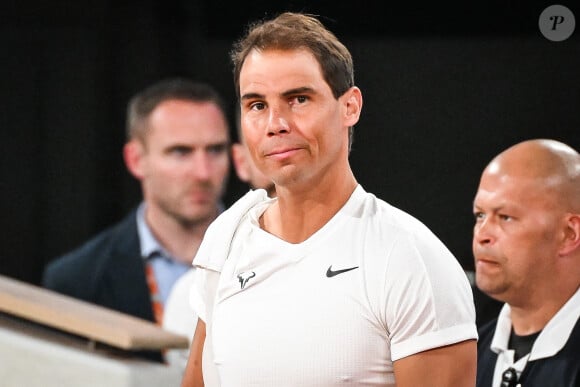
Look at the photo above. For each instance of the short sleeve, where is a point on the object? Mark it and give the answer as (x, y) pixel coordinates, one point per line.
(429, 302)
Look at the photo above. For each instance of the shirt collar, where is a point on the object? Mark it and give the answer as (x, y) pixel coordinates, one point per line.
(552, 338)
(149, 244)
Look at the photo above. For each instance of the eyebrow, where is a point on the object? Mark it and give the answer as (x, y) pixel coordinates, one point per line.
(223, 144)
(251, 96)
(218, 143)
(287, 93)
(495, 209)
(298, 90)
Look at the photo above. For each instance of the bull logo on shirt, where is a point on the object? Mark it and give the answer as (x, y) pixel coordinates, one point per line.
(245, 277)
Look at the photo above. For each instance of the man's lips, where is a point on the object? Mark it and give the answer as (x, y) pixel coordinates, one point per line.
(486, 261)
(282, 152)
(200, 196)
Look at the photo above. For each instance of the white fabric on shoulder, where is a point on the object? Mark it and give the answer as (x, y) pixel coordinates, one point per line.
(215, 246)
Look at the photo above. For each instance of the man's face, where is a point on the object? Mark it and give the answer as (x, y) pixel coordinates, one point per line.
(184, 161)
(515, 235)
(295, 130)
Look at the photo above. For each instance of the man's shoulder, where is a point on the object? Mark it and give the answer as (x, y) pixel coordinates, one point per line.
(213, 251)
(374, 208)
(487, 329)
(230, 218)
(573, 342)
(99, 246)
(387, 219)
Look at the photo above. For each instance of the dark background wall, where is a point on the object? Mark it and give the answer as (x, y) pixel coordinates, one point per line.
(445, 89)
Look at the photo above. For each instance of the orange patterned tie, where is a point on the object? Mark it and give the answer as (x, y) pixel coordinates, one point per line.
(154, 291)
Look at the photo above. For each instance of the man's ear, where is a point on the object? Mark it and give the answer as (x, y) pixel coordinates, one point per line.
(133, 152)
(240, 160)
(571, 240)
(353, 101)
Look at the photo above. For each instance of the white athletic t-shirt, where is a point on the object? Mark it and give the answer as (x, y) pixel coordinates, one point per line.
(370, 287)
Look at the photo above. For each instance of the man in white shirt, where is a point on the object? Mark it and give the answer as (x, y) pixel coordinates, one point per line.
(325, 284)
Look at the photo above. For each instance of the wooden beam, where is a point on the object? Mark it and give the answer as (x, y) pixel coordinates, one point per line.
(84, 319)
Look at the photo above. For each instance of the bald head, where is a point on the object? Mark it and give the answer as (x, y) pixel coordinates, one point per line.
(526, 239)
(547, 164)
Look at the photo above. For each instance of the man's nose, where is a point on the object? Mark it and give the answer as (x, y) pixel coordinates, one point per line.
(202, 166)
(483, 232)
(277, 123)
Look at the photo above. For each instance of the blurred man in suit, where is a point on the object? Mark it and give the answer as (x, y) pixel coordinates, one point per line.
(178, 149)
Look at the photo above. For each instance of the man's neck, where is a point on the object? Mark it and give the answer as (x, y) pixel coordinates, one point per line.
(298, 214)
(181, 241)
(534, 314)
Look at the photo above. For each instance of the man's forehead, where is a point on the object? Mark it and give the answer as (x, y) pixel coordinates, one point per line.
(279, 68)
(502, 190)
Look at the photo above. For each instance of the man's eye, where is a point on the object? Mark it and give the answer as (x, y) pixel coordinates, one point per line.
(505, 217)
(180, 151)
(257, 106)
(217, 149)
(299, 99)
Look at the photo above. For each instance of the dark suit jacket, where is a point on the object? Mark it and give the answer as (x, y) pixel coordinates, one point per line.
(106, 270)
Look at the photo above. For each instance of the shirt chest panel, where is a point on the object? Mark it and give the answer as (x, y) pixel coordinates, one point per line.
(312, 307)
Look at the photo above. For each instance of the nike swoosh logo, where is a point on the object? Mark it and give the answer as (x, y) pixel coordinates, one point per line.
(331, 273)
